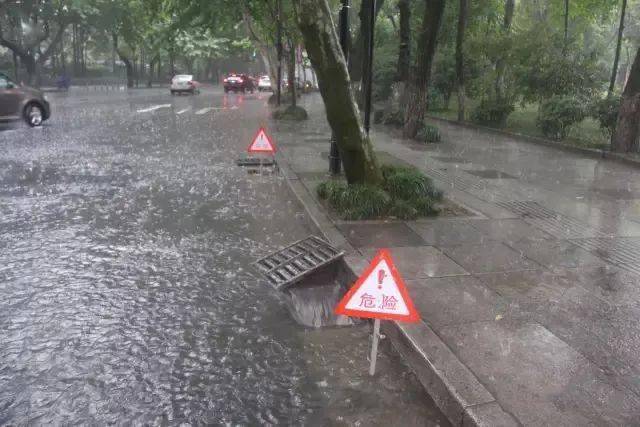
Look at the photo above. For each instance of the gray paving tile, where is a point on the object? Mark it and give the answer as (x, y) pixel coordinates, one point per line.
(538, 378)
(380, 235)
(489, 257)
(509, 230)
(419, 262)
(527, 288)
(453, 300)
(614, 285)
(606, 334)
(447, 232)
(491, 174)
(556, 253)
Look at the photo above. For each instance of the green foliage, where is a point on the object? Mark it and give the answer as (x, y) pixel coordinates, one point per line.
(408, 184)
(428, 133)
(491, 112)
(605, 111)
(290, 113)
(558, 114)
(394, 118)
(405, 193)
(355, 202)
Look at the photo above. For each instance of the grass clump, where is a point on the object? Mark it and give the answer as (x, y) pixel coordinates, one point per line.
(405, 193)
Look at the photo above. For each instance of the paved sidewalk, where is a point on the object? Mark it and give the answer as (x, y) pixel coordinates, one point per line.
(530, 304)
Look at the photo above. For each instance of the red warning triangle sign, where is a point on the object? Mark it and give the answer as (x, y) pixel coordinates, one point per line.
(262, 143)
(379, 293)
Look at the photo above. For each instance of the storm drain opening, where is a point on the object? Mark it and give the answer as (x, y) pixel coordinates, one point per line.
(310, 274)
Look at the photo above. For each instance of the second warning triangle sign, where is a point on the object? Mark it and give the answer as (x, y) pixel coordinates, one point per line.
(262, 143)
(379, 293)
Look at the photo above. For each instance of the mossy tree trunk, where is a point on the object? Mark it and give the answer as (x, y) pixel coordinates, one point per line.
(419, 83)
(291, 71)
(462, 25)
(404, 50)
(323, 47)
(627, 134)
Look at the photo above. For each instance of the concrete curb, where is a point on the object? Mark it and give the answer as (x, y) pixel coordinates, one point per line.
(590, 152)
(453, 387)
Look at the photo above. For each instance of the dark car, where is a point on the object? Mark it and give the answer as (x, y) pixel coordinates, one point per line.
(238, 83)
(22, 102)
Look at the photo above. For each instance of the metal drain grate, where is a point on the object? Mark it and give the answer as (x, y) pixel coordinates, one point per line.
(623, 252)
(289, 265)
(550, 221)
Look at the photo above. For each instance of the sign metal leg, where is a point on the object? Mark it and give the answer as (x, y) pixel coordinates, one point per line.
(374, 346)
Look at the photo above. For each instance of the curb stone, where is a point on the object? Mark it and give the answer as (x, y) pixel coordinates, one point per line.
(452, 386)
(590, 152)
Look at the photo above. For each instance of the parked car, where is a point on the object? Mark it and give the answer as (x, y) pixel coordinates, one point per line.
(22, 102)
(182, 83)
(238, 83)
(264, 83)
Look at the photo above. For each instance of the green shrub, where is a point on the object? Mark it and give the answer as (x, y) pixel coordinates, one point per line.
(558, 114)
(408, 184)
(428, 134)
(405, 193)
(492, 113)
(290, 112)
(394, 118)
(605, 111)
(378, 116)
(403, 209)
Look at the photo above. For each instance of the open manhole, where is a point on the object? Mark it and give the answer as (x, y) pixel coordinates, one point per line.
(296, 261)
(491, 174)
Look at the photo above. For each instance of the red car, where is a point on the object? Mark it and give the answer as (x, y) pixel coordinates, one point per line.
(238, 83)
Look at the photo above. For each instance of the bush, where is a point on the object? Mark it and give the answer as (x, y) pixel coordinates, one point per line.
(394, 118)
(492, 113)
(355, 201)
(378, 116)
(408, 184)
(290, 113)
(428, 134)
(405, 193)
(605, 111)
(558, 114)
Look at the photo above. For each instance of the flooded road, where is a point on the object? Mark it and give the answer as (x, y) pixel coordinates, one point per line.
(126, 292)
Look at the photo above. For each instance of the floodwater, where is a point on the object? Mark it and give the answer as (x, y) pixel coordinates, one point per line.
(126, 292)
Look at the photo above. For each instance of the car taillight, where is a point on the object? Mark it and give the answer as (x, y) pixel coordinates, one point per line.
(225, 81)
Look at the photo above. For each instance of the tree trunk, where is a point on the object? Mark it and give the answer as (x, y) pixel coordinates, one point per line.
(462, 25)
(291, 71)
(566, 22)
(127, 62)
(358, 51)
(404, 50)
(509, 9)
(614, 73)
(16, 67)
(323, 46)
(419, 83)
(625, 138)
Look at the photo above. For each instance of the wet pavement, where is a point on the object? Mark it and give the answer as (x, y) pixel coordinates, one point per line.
(530, 300)
(126, 293)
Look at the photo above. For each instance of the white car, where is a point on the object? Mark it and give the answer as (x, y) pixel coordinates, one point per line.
(183, 83)
(264, 83)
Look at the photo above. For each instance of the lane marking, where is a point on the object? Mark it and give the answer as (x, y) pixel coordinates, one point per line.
(204, 111)
(183, 111)
(153, 108)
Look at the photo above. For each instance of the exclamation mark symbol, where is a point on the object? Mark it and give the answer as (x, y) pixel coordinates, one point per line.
(381, 275)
